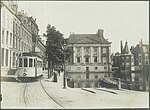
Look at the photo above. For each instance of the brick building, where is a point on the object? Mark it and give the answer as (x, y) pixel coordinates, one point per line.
(90, 59)
(123, 64)
(141, 61)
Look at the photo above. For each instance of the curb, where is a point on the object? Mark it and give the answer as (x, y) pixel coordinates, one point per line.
(88, 90)
(8, 79)
(106, 90)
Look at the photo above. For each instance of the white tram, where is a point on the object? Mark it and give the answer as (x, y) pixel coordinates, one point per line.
(29, 67)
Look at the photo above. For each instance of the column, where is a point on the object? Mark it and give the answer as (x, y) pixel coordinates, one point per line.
(99, 54)
(91, 55)
(74, 55)
(82, 55)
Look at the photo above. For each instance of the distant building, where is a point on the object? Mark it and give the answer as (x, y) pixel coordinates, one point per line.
(132, 66)
(43, 39)
(141, 60)
(123, 64)
(90, 59)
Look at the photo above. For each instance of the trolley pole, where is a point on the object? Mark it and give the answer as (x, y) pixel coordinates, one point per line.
(64, 72)
(64, 77)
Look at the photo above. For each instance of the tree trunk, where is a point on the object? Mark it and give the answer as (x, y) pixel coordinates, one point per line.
(51, 68)
(48, 68)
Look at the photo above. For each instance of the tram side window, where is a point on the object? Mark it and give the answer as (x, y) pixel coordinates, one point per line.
(34, 62)
(20, 62)
(25, 62)
(30, 62)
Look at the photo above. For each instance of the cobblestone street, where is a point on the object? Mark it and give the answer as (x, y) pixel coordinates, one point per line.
(14, 96)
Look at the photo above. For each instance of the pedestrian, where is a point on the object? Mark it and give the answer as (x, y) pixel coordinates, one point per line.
(55, 76)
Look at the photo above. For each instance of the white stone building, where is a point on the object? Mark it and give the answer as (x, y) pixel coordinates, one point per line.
(90, 60)
(15, 37)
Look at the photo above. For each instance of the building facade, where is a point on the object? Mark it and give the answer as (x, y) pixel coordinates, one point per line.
(141, 61)
(123, 64)
(90, 59)
(17, 31)
(132, 66)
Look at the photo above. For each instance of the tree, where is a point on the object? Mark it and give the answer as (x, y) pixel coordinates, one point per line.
(54, 44)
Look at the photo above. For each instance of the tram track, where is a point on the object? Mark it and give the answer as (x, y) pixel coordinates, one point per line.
(50, 96)
(34, 101)
(24, 95)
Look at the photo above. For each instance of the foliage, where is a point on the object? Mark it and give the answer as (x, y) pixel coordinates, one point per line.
(53, 44)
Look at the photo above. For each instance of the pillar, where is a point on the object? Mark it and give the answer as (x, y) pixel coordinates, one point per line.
(99, 54)
(91, 55)
(82, 55)
(74, 55)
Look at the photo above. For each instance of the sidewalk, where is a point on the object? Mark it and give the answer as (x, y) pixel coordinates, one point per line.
(74, 98)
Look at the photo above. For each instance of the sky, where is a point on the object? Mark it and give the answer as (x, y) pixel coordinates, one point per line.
(120, 20)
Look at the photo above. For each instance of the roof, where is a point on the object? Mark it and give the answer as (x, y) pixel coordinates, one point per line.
(137, 49)
(125, 50)
(87, 39)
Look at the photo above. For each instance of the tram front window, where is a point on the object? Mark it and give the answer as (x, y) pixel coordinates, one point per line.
(25, 62)
(30, 62)
(20, 62)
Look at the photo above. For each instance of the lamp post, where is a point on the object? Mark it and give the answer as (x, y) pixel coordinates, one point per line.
(64, 77)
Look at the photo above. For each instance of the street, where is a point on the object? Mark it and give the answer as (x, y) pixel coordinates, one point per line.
(47, 94)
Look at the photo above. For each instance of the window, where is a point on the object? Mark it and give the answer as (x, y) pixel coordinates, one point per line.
(25, 62)
(30, 62)
(87, 68)
(146, 55)
(87, 75)
(10, 39)
(96, 68)
(105, 67)
(87, 59)
(146, 62)
(8, 21)
(7, 38)
(2, 35)
(96, 76)
(95, 59)
(20, 62)
(104, 50)
(140, 55)
(34, 62)
(128, 64)
(13, 27)
(3, 17)
(78, 59)
(2, 57)
(14, 59)
(6, 57)
(95, 50)
(104, 60)
(16, 42)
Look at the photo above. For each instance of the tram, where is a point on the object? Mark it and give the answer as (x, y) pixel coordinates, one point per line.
(29, 67)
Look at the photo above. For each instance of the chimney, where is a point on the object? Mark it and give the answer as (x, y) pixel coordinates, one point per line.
(121, 46)
(100, 32)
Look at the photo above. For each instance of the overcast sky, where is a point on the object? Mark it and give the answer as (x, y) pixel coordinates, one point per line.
(126, 21)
